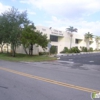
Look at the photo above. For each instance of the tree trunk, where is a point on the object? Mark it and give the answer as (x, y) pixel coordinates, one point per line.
(97, 45)
(31, 49)
(70, 42)
(13, 50)
(25, 49)
(2, 48)
(87, 44)
(7, 48)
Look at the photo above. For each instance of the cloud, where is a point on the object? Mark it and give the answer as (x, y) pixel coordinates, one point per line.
(69, 13)
(13, 0)
(3, 7)
(82, 25)
(31, 12)
(67, 8)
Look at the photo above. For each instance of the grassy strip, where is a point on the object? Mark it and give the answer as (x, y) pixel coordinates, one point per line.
(27, 58)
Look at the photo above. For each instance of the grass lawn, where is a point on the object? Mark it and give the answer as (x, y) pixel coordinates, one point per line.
(27, 58)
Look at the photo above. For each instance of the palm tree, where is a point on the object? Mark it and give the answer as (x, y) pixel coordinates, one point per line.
(97, 39)
(70, 30)
(88, 36)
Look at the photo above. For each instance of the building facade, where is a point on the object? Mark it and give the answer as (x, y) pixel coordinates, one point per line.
(61, 39)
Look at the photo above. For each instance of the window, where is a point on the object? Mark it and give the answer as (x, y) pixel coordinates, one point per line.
(76, 41)
(53, 38)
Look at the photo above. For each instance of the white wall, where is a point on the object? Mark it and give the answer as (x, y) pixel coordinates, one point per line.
(5, 48)
(64, 41)
(21, 50)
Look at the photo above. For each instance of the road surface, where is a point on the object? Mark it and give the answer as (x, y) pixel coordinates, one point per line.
(49, 80)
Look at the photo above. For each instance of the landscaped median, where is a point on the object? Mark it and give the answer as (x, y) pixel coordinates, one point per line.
(69, 54)
(26, 58)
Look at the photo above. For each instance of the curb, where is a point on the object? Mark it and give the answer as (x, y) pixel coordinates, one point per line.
(59, 55)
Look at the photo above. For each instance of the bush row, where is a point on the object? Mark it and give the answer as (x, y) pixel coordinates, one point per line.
(53, 50)
(76, 50)
(84, 49)
(72, 50)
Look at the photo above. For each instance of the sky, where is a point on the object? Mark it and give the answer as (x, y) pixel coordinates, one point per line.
(60, 14)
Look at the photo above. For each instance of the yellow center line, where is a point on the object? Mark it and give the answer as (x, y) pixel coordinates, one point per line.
(50, 81)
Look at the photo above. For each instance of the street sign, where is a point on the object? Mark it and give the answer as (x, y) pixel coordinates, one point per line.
(49, 45)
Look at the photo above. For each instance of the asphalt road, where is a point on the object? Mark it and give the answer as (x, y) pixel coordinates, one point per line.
(93, 59)
(47, 81)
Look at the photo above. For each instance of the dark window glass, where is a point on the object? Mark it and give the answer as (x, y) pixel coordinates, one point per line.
(53, 38)
(76, 41)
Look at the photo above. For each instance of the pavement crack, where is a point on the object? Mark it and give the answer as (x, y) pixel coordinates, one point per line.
(3, 87)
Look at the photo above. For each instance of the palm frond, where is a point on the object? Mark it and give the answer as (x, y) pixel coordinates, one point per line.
(71, 29)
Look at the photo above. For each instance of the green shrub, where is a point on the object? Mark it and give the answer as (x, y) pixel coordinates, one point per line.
(53, 50)
(97, 50)
(91, 49)
(65, 50)
(43, 53)
(74, 50)
(84, 49)
(62, 52)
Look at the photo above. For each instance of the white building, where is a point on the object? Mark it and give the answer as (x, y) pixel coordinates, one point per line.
(60, 39)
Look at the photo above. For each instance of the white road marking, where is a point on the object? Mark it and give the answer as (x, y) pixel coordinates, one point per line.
(91, 61)
(70, 59)
(58, 58)
(65, 61)
(25, 62)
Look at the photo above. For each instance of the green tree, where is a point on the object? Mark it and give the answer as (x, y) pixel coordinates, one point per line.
(31, 37)
(42, 40)
(70, 30)
(97, 39)
(28, 38)
(88, 36)
(12, 21)
(2, 33)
